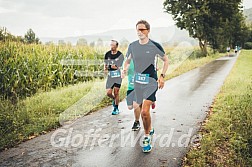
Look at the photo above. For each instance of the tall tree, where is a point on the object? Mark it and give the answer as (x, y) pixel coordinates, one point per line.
(92, 44)
(3, 33)
(7, 36)
(30, 37)
(61, 42)
(124, 43)
(82, 42)
(99, 42)
(241, 31)
(207, 20)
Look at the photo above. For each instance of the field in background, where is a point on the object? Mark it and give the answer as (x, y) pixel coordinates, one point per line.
(43, 88)
(27, 69)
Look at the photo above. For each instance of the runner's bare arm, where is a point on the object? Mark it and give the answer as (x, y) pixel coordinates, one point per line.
(164, 69)
(126, 66)
(105, 69)
(165, 65)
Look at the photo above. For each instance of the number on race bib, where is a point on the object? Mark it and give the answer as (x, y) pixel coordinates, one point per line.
(142, 78)
(115, 74)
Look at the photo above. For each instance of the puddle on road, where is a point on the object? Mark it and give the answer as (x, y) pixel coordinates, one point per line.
(206, 71)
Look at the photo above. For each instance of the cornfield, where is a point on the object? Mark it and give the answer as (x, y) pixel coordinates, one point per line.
(25, 69)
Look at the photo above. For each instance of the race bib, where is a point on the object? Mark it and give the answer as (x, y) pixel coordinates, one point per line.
(142, 78)
(115, 74)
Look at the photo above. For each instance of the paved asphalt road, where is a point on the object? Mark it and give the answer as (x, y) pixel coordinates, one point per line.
(103, 140)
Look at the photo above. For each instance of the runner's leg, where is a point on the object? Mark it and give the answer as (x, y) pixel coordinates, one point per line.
(146, 117)
(109, 93)
(137, 111)
(116, 95)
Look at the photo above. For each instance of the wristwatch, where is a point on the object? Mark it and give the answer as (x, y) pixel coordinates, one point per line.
(162, 75)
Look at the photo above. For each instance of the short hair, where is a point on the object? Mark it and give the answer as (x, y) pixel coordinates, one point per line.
(115, 42)
(147, 25)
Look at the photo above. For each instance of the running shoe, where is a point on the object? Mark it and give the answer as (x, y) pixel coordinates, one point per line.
(136, 126)
(147, 144)
(115, 111)
(152, 131)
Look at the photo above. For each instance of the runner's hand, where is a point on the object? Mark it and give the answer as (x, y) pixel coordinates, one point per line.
(106, 72)
(114, 67)
(160, 82)
(123, 74)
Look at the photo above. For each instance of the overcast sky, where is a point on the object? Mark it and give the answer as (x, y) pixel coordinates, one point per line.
(63, 18)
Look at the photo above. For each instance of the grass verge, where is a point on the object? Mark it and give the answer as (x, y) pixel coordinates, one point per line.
(227, 132)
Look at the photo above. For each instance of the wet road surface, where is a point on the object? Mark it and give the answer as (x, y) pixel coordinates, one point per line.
(100, 139)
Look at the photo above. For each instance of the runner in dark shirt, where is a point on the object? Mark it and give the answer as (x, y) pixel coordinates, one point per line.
(112, 63)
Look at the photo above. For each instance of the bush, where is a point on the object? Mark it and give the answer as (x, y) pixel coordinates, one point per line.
(248, 45)
(11, 123)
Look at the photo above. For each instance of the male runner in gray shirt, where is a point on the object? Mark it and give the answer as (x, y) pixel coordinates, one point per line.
(143, 52)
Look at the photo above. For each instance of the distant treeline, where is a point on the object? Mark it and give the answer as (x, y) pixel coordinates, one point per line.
(28, 38)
